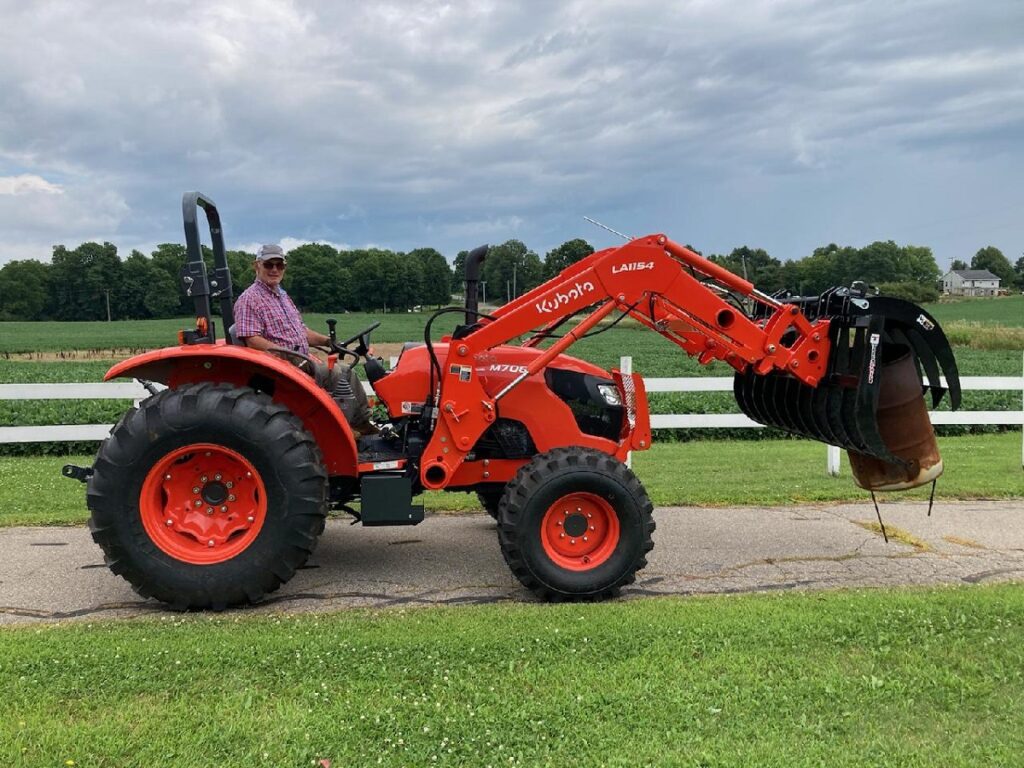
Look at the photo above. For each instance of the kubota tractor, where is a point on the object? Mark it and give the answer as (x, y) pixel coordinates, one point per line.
(213, 491)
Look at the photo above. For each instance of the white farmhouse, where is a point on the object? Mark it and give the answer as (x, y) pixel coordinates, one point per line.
(970, 282)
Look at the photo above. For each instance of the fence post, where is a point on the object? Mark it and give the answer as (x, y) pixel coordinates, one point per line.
(832, 461)
(626, 366)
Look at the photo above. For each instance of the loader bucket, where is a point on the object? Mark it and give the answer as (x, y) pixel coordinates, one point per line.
(870, 401)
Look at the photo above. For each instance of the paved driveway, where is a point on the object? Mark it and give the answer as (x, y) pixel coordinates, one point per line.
(58, 573)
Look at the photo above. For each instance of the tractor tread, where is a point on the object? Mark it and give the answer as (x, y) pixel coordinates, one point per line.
(209, 412)
(516, 514)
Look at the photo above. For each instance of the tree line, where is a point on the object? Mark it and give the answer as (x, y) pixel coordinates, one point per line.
(92, 282)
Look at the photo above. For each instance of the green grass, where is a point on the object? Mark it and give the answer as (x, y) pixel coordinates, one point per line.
(870, 678)
(1001, 310)
(719, 473)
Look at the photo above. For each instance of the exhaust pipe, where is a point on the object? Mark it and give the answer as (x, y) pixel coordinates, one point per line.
(473, 261)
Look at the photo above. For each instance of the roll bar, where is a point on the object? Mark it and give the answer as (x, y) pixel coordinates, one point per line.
(194, 280)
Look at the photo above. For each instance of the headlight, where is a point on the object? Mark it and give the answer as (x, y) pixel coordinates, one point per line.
(610, 393)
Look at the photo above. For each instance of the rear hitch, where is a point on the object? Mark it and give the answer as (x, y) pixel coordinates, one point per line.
(81, 474)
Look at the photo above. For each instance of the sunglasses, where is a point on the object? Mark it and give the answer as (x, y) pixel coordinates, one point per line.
(274, 265)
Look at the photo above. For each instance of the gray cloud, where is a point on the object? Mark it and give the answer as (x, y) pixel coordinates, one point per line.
(784, 125)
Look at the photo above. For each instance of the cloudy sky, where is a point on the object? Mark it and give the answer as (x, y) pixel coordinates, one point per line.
(784, 125)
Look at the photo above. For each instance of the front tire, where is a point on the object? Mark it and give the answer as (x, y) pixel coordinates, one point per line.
(575, 524)
(208, 496)
(490, 499)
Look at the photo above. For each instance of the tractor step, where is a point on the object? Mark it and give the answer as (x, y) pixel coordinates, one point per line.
(81, 474)
(386, 499)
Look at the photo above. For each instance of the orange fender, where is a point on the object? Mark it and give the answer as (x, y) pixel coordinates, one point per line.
(297, 391)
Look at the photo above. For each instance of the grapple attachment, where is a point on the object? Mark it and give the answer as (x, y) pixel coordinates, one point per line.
(871, 401)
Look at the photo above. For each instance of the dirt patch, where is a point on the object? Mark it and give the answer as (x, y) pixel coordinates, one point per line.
(387, 350)
(87, 355)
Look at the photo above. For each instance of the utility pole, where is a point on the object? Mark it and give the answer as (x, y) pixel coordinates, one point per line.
(483, 285)
(107, 291)
(514, 280)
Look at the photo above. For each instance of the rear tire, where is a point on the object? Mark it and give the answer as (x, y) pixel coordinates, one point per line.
(575, 524)
(208, 496)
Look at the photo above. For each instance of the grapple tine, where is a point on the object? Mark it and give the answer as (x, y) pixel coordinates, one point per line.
(784, 401)
(866, 399)
(934, 345)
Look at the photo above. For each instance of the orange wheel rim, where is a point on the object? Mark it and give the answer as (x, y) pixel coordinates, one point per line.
(580, 531)
(203, 504)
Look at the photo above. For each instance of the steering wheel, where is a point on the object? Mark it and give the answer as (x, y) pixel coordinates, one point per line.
(300, 360)
(363, 337)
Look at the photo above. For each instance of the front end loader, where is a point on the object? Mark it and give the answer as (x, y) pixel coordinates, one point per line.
(213, 491)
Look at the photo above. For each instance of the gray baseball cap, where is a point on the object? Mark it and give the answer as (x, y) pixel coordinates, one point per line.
(270, 252)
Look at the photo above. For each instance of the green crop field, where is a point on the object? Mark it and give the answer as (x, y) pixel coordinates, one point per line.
(29, 337)
(1000, 310)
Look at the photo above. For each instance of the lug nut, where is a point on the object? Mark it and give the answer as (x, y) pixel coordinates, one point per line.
(585, 538)
(561, 535)
(558, 522)
(199, 503)
(196, 489)
(251, 519)
(229, 484)
(167, 477)
(223, 509)
(209, 510)
(572, 541)
(248, 474)
(231, 497)
(217, 476)
(593, 528)
(202, 479)
(209, 543)
(169, 521)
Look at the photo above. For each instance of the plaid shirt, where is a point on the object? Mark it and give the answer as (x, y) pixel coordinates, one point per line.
(262, 311)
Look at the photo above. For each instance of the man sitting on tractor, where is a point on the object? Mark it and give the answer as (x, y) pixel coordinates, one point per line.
(266, 318)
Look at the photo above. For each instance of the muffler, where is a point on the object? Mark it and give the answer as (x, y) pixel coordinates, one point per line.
(871, 401)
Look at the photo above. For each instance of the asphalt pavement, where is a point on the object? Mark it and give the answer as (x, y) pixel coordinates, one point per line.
(57, 574)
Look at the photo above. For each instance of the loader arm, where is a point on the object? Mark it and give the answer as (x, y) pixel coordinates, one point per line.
(656, 281)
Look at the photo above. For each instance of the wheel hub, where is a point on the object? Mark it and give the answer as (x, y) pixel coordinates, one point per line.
(214, 492)
(580, 531)
(203, 503)
(575, 524)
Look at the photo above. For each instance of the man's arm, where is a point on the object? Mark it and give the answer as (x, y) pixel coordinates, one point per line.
(258, 342)
(316, 339)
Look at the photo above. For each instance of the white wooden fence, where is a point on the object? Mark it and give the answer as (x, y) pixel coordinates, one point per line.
(135, 391)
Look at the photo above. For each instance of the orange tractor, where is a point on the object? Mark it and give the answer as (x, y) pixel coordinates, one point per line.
(213, 491)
